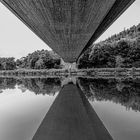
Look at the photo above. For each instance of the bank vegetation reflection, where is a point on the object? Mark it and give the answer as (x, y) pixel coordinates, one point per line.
(124, 91)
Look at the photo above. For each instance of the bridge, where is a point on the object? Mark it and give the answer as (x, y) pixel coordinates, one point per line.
(68, 26)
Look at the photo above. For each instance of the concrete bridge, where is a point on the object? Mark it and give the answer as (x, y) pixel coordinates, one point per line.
(68, 26)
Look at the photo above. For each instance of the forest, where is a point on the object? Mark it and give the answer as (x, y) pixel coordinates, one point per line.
(119, 50)
(37, 60)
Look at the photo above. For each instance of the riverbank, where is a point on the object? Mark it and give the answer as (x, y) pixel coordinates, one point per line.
(93, 73)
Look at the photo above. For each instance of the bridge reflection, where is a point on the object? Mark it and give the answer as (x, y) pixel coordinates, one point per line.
(71, 117)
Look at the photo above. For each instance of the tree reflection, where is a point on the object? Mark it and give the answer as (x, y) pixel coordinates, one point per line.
(41, 85)
(37, 85)
(124, 92)
(7, 83)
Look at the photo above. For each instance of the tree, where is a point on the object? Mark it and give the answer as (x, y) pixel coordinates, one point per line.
(7, 63)
(119, 61)
(40, 60)
(119, 50)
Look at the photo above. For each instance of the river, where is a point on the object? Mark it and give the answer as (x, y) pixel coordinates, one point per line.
(44, 108)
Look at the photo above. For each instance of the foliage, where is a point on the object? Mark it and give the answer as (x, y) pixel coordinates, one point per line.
(122, 50)
(131, 33)
(7, 63)
(39, 60)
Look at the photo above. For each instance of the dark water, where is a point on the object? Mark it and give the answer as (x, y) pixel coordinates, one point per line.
(40, 109)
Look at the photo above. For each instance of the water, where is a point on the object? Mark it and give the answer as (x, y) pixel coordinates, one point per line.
(40, 108)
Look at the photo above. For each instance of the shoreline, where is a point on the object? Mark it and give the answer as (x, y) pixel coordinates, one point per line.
(91, 73)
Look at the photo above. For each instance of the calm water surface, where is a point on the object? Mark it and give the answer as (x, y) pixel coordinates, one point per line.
(28, 107)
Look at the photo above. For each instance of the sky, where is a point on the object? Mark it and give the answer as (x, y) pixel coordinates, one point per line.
(17, 40)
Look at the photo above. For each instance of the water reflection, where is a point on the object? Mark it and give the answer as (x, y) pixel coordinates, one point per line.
(69, 115)
(21, 114)
(41, 85)
(36, 85)
(125, 92)
(7, 83)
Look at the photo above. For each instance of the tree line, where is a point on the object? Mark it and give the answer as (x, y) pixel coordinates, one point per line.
(132, 32)
(42, 59)
(7, 63)
(121, 50)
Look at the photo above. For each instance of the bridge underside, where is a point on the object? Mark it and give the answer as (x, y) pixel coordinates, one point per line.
(68, 26)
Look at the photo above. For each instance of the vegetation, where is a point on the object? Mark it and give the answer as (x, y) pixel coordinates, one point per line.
(121, 50)
(131, 33)
(7, 63)
(37, 60)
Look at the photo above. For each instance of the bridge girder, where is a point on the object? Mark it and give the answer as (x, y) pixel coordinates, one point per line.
(68, 26)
